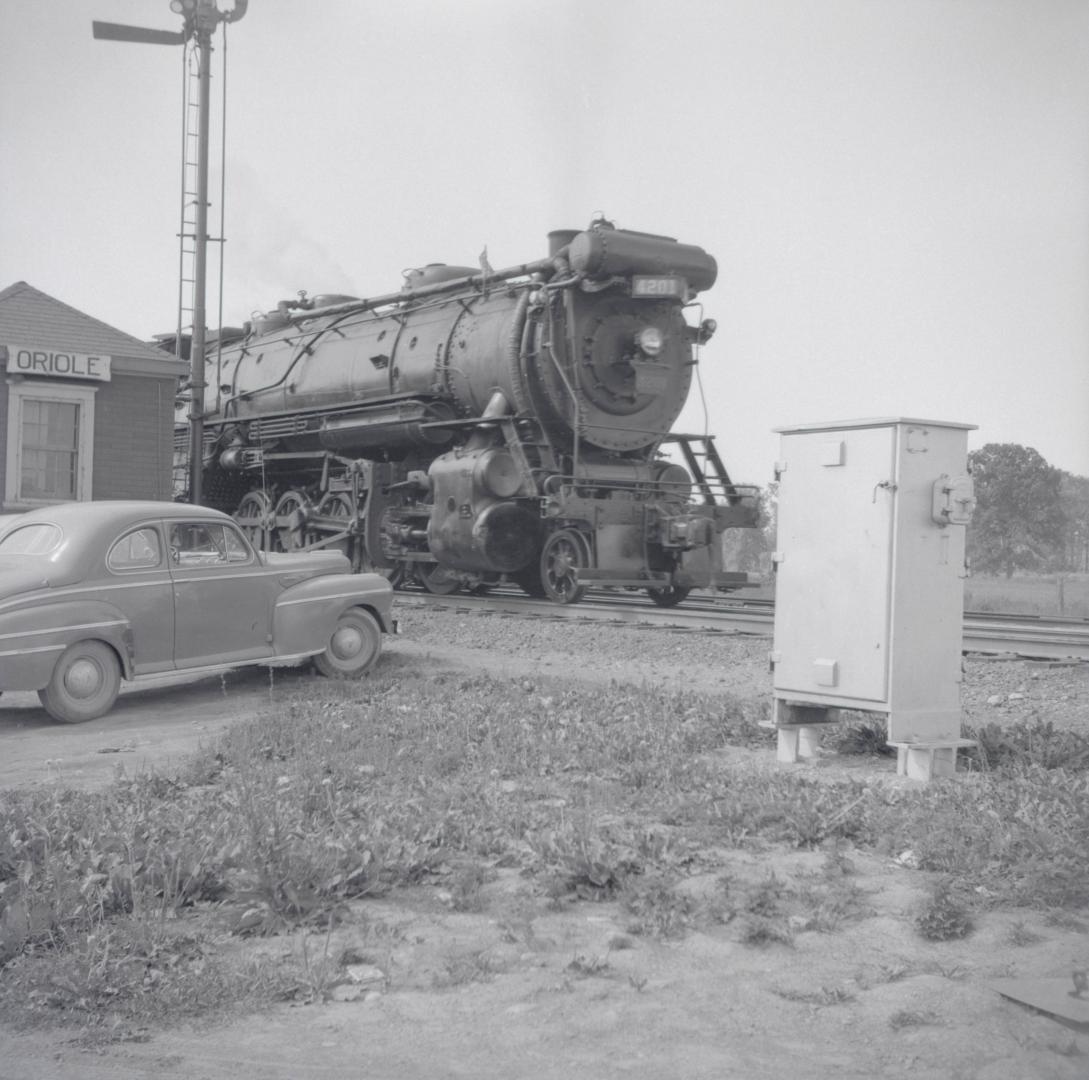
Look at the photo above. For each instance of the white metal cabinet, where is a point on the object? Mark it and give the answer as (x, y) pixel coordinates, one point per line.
(870, 568)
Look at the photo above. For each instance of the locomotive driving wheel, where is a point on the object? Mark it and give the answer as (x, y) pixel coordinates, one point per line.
(564, 553)
(253, 516)
(290, 535)
(670, 596)
(339, 506)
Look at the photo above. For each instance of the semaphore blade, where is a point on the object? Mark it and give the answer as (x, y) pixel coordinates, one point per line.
(107, 31)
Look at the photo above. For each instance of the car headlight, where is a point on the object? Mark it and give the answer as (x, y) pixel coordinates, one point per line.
(650, 340)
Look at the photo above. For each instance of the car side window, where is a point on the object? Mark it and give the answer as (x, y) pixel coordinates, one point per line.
(139, 549)
(237, 550)
(206, 544)
(31, 540)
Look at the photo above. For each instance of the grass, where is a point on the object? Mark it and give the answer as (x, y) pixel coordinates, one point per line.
(1029, 594)
(1064, 594)
(116, 906)
(1034, 743)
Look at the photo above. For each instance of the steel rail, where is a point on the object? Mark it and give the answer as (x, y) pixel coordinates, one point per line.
(1030, 637)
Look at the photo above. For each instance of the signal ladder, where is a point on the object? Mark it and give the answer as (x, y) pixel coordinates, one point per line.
(187, 231)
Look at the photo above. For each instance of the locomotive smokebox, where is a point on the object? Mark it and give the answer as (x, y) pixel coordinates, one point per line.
(601, 253)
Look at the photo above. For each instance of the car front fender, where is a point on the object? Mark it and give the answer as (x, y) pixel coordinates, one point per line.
(32, 638)
(306, 614)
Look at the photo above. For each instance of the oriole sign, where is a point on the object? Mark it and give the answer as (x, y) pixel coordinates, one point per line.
(24, 360)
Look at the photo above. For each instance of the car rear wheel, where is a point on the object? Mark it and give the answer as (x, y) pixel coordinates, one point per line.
(354, 647)
(85, 683)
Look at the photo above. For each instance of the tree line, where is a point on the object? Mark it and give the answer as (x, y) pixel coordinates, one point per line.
(1029, 516)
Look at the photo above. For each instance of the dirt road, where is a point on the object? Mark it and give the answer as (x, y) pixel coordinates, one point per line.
(147, 726)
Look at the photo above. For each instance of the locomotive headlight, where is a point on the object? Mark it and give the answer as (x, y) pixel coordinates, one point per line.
(650, 340)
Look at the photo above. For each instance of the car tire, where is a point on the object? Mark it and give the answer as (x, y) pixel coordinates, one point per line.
(85, 683)
(354, 647)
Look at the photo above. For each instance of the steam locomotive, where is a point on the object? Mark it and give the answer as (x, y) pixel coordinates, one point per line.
(480, 426)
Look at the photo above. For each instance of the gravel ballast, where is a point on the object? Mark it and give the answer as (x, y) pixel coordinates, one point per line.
(995, 690)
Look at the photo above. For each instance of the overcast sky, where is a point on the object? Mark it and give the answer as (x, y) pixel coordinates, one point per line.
(896, 191)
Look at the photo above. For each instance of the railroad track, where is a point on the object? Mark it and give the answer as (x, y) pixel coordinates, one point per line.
(1031, 636)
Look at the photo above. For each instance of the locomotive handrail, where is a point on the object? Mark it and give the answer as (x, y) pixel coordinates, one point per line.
(735, 492)
(577, 424)
(473, 281)
(302, 352)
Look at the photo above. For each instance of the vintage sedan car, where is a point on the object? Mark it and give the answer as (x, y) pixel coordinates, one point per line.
(95, 592)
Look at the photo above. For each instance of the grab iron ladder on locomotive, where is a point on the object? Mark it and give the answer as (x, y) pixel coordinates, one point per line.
(707, 467)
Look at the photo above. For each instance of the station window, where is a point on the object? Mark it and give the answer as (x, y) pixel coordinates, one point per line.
(50, 439)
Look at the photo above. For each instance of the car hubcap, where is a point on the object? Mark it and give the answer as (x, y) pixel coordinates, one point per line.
(83, 679)
(347, 643)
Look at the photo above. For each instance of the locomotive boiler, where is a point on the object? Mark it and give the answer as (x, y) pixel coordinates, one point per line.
(479, 426)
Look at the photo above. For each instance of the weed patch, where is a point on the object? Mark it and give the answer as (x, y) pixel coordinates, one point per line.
(463, 968)
(909, 1018)
(822, 997)
(945, 917)
(1027, 745)
(115, 906)
(860, 734)
(656, 908)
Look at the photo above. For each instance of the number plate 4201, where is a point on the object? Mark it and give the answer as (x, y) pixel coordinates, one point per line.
(658, 288)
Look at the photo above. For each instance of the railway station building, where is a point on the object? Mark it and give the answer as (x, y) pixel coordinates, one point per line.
(86, 410)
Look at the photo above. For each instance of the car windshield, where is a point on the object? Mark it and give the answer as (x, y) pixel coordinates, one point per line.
(36, 539)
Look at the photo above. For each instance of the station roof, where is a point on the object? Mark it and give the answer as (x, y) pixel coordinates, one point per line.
(32, 318)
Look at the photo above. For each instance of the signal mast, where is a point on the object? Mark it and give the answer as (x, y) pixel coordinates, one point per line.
(201, 17)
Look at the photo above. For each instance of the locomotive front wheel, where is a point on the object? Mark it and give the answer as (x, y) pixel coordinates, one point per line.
(564, 553)
(85, 683)
(354, 647)
(670, 596)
